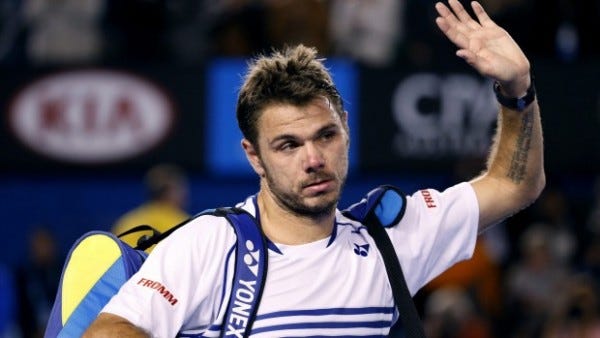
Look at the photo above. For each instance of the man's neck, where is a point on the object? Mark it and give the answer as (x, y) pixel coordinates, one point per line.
(285, 227)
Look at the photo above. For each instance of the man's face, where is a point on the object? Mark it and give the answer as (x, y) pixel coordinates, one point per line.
(303, 157)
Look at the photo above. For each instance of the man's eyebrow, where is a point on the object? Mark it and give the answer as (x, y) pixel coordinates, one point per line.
(320, 131)
(329, 127)
(283, 137)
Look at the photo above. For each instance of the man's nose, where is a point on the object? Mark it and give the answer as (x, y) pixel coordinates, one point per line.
(314, 159)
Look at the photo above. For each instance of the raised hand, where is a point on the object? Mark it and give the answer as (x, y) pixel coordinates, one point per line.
(485, 46)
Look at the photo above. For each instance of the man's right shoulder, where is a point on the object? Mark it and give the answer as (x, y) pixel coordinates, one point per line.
(207, 223)
(202, 235)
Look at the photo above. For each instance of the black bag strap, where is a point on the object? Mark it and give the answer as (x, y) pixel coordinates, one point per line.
(137, 228)
(146, 242)
(388, 203)
(411, 322)
(143, 239)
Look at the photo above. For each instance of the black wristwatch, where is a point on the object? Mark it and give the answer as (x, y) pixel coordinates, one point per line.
(515, 103)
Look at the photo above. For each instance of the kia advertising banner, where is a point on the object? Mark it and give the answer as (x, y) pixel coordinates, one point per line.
(88, 119)
(91, 117)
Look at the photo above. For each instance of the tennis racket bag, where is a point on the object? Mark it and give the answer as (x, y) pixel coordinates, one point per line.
(99, 263)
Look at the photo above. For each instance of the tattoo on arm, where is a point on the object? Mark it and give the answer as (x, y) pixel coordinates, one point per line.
(518, 163)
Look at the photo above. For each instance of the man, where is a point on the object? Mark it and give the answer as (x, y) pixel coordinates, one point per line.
(166, 185)
(296, 139)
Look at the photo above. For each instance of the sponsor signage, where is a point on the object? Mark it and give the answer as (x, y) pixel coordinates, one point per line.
(91, 116)
(458, 124)
(424, 120)
(401, 120)
(429, 121)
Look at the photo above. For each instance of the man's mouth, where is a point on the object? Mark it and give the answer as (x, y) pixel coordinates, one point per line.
(319, 186)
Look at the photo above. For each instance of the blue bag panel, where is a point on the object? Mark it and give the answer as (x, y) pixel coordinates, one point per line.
(386, 202)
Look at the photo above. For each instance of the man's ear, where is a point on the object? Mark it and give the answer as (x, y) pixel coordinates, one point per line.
(253, 157)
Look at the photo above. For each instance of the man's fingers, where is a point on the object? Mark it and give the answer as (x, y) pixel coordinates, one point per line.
(458, 38)
(448, 23)
(466, 55)
(442, 9)
(446, 14)
(462, 14)
(482, 16)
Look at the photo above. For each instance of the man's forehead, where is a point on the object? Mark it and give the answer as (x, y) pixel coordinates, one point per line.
(318, 107)
(286, 117)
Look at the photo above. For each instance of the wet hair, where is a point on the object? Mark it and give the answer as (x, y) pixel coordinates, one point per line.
(293, 75)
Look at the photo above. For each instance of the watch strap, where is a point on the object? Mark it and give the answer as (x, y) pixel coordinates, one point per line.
(515, 103)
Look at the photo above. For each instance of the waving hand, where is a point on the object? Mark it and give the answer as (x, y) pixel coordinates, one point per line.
(485, 46)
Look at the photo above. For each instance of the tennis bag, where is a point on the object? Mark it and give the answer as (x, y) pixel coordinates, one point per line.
(99, 263)
(96, 267)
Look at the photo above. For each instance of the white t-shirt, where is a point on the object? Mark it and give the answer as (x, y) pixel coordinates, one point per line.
(336, 286)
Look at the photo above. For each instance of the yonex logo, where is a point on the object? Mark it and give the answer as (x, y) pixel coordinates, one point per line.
(361, 250)
(244, 292)
(251, 258)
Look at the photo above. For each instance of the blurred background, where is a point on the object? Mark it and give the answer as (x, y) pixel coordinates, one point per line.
(98, 94)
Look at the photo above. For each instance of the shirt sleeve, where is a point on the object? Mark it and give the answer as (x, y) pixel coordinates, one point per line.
(438, 230)
(175, 283)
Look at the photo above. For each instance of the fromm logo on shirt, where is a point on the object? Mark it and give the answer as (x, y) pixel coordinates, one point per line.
(429, 202)
(160, 288)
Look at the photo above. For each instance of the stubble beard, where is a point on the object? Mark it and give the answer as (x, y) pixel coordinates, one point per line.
(293, 202)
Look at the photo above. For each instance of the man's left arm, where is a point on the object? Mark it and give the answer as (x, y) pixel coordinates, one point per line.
(515, 172)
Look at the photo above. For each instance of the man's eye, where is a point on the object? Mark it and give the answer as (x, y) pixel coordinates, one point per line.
(328, 135)
(288, 146)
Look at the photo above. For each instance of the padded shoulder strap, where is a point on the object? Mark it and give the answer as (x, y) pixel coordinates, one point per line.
(386, 202)
(250, 273)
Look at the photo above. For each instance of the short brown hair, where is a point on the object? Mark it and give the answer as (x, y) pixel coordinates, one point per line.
(292, 76)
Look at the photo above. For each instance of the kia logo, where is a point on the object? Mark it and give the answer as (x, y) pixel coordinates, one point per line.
(91, 116)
